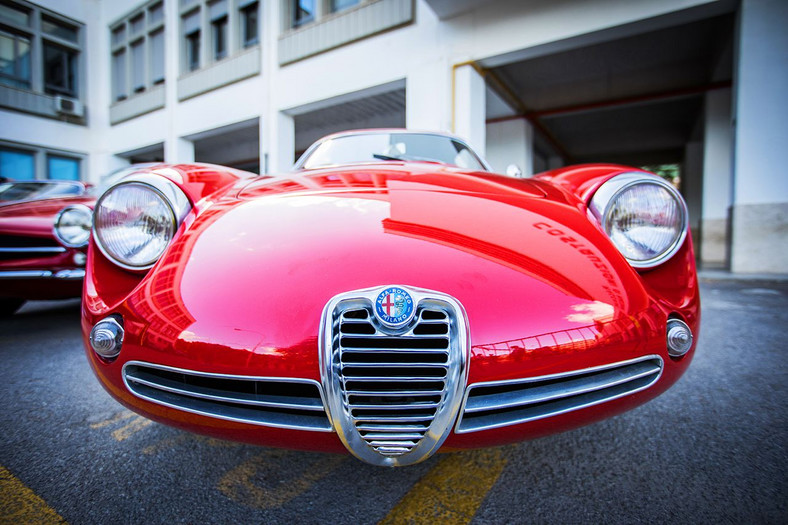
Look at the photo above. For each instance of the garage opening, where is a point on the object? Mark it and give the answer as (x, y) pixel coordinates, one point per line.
(381, 107)
(236, 145)
(645, 100)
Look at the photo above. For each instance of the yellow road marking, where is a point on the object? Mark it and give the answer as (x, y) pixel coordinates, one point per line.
(118, 417)
(271, 479)
(19, 504)
(452, 491)
(168, 443)
(136, 424)
(165, 444)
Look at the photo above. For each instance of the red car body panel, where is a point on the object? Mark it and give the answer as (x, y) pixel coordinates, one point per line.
(242, 287)
(31, 223)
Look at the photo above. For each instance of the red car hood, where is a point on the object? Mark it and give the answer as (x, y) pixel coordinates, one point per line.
(256, 268)
(36, 217)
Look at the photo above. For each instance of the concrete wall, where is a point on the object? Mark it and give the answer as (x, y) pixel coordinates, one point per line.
(717, 179)
(760, 202)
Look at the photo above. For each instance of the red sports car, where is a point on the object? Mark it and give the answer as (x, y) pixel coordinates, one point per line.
(44, 229)
(390, 297)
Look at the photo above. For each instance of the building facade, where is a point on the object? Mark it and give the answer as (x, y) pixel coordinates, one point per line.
(87, 86)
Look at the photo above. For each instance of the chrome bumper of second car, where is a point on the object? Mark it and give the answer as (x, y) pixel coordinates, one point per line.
(76, 274)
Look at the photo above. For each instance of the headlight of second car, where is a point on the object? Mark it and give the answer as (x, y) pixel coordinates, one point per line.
(72, 225)
(135, 220)
(644, 216)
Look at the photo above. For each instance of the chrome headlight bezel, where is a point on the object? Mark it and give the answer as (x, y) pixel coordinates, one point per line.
(604, 200)
(86, 212)
(162, 188)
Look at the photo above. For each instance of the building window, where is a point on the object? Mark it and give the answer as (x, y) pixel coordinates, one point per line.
(339, 5)
(138, 81)
(218, 14)
(249, 36)
(17, 15)
(14, 60)
(16, 164)
(191, 33)
(138, 51)
(19, 163)
(157, 56)
(213, 30)
(59, 29)
(33, 39)
(62, 168)
(60, 70)
(303, 12)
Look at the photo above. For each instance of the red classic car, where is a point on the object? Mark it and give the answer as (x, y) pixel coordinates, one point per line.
(390, 297)
(37, 259)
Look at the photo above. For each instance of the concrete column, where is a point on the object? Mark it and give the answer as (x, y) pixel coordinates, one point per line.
(760, 201)
(469, 107)
(717, 179)
(511, 142)
(278, 142)
(178, 150)
(426, 107)
(691, 182)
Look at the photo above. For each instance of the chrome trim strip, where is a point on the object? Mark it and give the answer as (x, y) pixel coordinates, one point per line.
(524, 401)
(65, 275)
(307, 408)
(70, 275)
(33, 249)
(25, 274)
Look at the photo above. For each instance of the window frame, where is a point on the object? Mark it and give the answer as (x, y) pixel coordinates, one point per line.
(71, 70)
(137, 30)
(222, 31)
(17, 79)
(322, 10)
(41, 157)
(244, 11)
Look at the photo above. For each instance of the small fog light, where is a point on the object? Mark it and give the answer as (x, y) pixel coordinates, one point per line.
(106, 338)
(679, 338)
(80, 259)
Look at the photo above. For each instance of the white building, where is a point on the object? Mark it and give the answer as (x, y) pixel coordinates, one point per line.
(89, 85)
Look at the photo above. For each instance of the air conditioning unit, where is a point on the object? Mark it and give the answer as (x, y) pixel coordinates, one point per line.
(69, 106)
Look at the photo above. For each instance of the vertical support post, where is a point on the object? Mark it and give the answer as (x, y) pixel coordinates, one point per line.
(469, 107)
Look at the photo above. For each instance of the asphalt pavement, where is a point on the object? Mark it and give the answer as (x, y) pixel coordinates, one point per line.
(713, 449)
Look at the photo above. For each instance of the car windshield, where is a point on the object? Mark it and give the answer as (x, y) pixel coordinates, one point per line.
(390, 146)
(35, 190)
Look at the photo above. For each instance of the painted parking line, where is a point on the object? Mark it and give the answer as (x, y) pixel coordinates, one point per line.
(273, 478)
(120, 416)
(133, 424)
(19, 504)
(136, 424)
(452, 491)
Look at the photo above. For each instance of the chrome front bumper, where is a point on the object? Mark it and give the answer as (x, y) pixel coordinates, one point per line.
(65, 275)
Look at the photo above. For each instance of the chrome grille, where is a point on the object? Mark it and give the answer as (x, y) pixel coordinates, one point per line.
(393, 395)
(393, 382)
(21, 247)
(504, 403)
(274, 402)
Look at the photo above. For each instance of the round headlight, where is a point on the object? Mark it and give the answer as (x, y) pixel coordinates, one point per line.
(135, 221)
(643, 215)
(72, 225)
